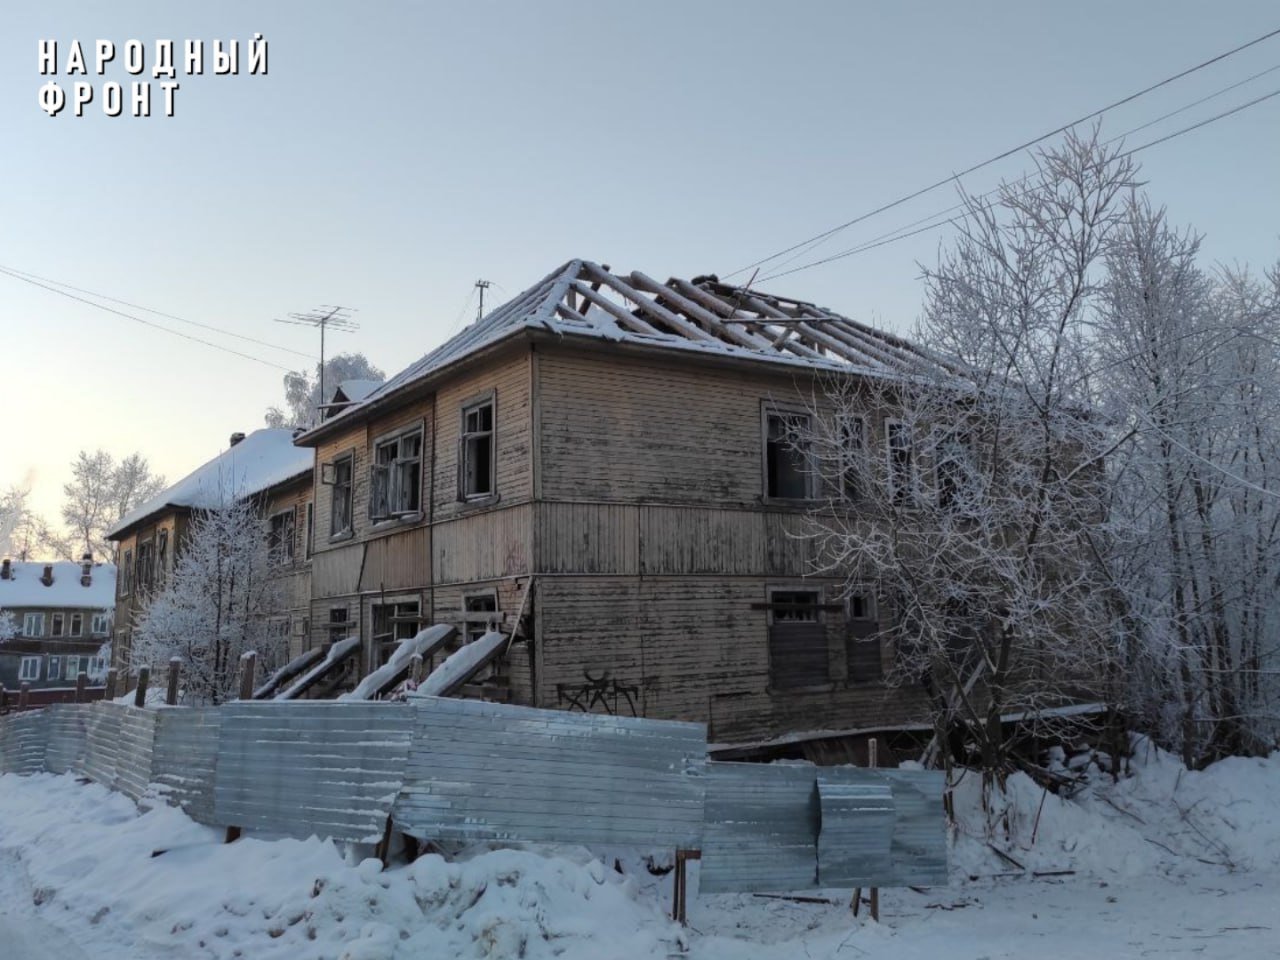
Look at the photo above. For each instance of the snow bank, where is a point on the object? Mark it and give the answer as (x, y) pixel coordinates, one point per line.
(87, 854)
(337, 653)
(424, 644)
(461, 664)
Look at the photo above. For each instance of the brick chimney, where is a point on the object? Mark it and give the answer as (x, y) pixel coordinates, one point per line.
(86, 570)
(236, 438)
(6, 570)
(47, 578)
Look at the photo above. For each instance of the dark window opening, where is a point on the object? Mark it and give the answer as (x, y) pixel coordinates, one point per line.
(393, 622)
(852, 437)
(162, 556)
(338, 624)
(481, 615)
(954, 472)
(786, 456)
(311, 529)
(797, 640)
(280, 538)
(901, 462)
(340, 504)
(862, 639)
(476, 467)
(396, 477)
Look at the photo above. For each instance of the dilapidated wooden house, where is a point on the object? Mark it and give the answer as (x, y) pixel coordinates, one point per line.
(601, 465)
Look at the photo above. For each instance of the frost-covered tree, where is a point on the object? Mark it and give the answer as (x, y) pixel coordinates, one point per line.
(302, 390)
(215, 606)
(8, 626)
(100, 492)
(971, 502)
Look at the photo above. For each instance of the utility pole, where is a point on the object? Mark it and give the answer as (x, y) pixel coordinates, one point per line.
(482, 286)
(325, 316)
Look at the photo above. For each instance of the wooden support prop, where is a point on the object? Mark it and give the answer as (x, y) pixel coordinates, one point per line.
(681, 891)
(82, 684)
(140, 694)
(24, 695)
(383, 850)
(113, 677)
(171, 693)
(415, 669)
(247, 664)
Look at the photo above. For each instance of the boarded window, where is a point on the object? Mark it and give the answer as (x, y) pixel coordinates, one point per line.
(862, 639)
(340, 504)
(396, 477)
(481, 610)
(787, 473)
(476, 462)
(797, 640)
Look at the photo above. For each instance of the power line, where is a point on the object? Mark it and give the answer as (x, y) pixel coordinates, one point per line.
(146, 323)
(894, 236)
(158, 313)
(1007, 153)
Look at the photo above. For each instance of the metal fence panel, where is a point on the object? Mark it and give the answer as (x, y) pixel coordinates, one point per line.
(67, 729)
(137, 747)
(25, 736)
(761, 828)
(920, 831)
(102, 742)
(858, 814)
(488, 771)
(186, 751)
(303, 767)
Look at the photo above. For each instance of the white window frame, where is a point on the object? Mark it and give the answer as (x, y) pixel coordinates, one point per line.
(30, 618)
(768, 412)
(76, 627)
(388, 477)
(907, 495)
(29, 669)
(71, 669)
(852, 455)
(57, 624)
(465, 440)
(100, 626)
(349, 458)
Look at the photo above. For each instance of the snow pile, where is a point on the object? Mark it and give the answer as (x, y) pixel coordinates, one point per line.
(423, 644)
(461, 665)
(338, 652)
(1162, 819)
(87, 859)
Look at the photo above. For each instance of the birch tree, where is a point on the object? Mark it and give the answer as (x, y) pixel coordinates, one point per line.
(216, 605)
(972, 502)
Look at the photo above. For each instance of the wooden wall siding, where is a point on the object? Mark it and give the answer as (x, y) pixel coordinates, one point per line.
(399, 561)
(588, 538)
(483, 545)
(509, 376)
(693, 540)
(616, 428)
(692, 648)
(336, 572)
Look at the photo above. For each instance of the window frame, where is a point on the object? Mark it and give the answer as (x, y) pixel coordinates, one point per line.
(394, 485)
(53, 669)
(106, 620)
(126, 574)
(908, 495)
(33, 616)
(281, 550)
(162, 555)
(75, 624)
(487, 399)
(467, 597)
(71, 666)
(872, 616)
(853, 462)
(770, 410)
(23, 672)
(819, 622)
(955, 492)
(309, 548)
(335, 532)
(57, 624)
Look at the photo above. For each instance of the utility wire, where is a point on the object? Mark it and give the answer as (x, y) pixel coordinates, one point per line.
(896, 235)
(24, 274)
(148, 323)
(1007, 153)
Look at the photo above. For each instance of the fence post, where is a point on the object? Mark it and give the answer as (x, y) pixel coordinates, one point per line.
(171, 694)
(113, 677)
(24, 694)
(82, 684)
(247, 664)
(4, 698)
(873, 762)
(140, 695)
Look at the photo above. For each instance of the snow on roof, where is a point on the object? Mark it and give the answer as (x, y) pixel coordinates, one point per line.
(24, 588)
(259, 461)
(356, 390)
(699, 316)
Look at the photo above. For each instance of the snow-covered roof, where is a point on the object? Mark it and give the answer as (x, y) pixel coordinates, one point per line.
(25, 588)
(701, 316)
(355, 390)
(261, 460)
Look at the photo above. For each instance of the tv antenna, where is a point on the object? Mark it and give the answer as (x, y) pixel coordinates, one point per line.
(326, 317)
(482, 286)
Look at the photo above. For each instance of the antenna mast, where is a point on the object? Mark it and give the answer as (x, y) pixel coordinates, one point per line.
(325, 316)
(482, 286)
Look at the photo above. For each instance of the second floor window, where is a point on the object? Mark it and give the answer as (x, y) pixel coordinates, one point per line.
(787, 472)
(58, 626)
(33, 625)
(395, 483)
(162, 555)
(902, 467)
(126, 574)
(77, 625)
(280, 538)
(101, 625)
(340, 501)
(146, 565)
(476, 461)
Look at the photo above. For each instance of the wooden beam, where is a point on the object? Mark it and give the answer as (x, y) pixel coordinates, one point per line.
(674, 321)
(618, 312)
(739, 337)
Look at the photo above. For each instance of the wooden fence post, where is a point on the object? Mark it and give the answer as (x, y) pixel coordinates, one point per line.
(24, 694)
(113, 677)
(140, 694)
(4, 698)
(872, 761)
(680, 895)
(247, 664)
(171, 694)
(82, 684)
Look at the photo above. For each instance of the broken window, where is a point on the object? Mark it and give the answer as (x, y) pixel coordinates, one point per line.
(862, 639)
(396, 477)
(954, 471)
(77, 625)
(787, 472)
(481, 615)
(280, 538)
(311, 529)
(476, 461)
(340, 499)
(338, 624)
(797, 640)
(57, 626)
(392, 623)
(852, 438)
(901, 462)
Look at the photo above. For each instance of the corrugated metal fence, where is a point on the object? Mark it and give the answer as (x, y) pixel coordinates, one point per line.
(462, 770)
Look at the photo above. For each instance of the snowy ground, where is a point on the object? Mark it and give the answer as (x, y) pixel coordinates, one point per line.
(1168, 864)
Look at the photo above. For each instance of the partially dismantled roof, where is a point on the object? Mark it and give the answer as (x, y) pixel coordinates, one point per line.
(702, 315)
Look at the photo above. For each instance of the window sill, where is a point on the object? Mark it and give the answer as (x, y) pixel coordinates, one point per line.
(478, 503)
(343, 537)
(386, 523)
(791, 503)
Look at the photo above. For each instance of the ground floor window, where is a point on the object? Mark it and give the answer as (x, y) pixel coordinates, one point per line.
(862, 638)
(797, 639)
(480, 614)
(392, 623)
(29, 669)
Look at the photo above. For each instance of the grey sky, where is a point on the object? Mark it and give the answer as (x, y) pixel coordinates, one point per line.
(397, 151)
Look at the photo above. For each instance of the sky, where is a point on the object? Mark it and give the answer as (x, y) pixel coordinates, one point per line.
(397, 152)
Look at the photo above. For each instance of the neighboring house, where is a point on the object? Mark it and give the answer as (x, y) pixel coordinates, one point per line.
(62, 615)
(348, 392)
(606, 454)
(266, 465)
